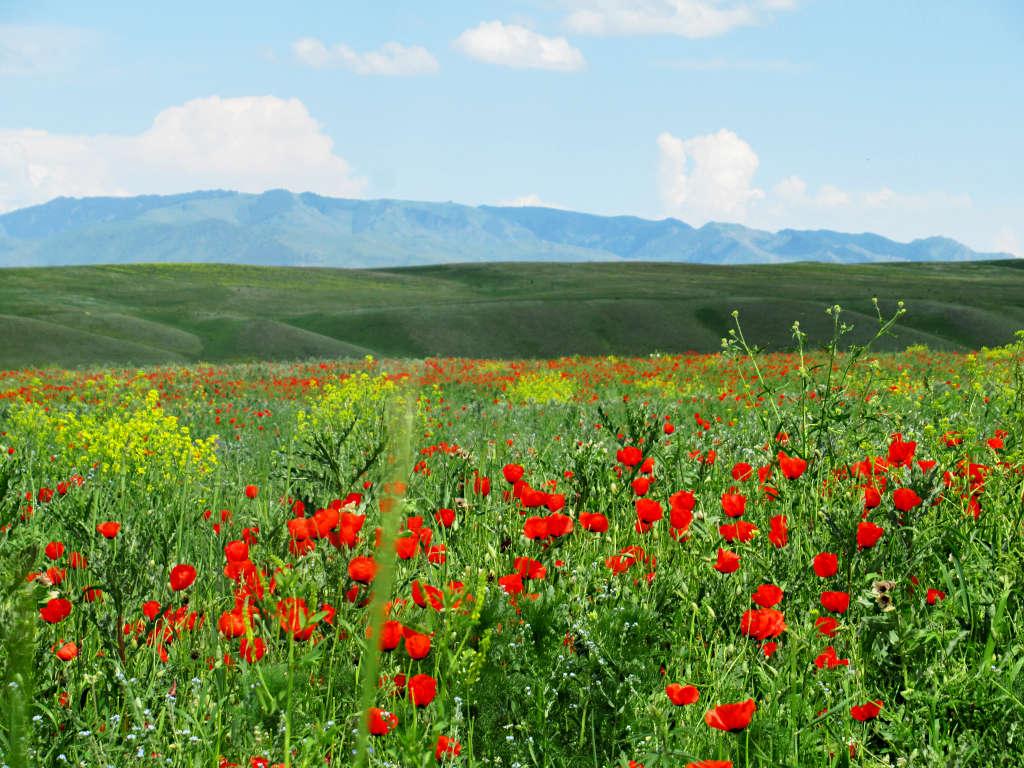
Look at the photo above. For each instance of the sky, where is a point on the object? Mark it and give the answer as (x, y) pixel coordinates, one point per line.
(901, 118)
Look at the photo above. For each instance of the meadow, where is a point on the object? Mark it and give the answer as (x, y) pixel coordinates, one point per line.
(730, 558)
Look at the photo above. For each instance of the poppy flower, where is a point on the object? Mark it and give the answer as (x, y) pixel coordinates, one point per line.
(446, 747)
(512, 584)
(54, 550)
(55, 610)
(445, 517)
(872, 498)
(837, 602)
(742, 532)
(742, 471)
(826, 625)
(559, 524)
(711, 764)
(481, 486)
(827, 659)
(77, 560)
(641, 485)
(407, 546)
(727, 561)
(182, 577)
(792, 467)
(681, 695)
(762, 623)
(108, 530)
(236, 551)
(733, 504)
(779, 534)
(767, 596)
(151, 610)
(901, 453)
(648, 510)
(731, 717)
(417, 645)
(254, 651)
(826, 564)
(868, 534)
(362, 569)
(422, 689)
(934, 595)
(535, 528)
(867, 711)
(905, 499)
(380, 722)
(629, 456)
(67, 651)
(252, 491)
(512, 472)
(596, 522)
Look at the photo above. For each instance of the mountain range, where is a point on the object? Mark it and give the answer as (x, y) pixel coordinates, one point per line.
(281, 228)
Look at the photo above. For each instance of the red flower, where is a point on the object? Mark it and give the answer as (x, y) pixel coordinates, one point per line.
(767, 595)
(182, 577)
(648, 510)
(596, 522)
(742, 471)
(682, 694)
(779, 535)
(512, 584)
(446, 747)
(711, 764)
(254, 651)
(445, 517)
(422, 689)
(935, 594)
(380, 721)
(67, 652)
(826, 625)
(742, 531)
(867, 711)
(791, 468)
(55, 610)
(905, 499)
(236, 551)
(762, 623)
(151, 609)
(629, 456)
(872, 498)
(108, 530)
(837, 602)
(481, 486)
(826, 564)
(252, 491)
(390, 635)
(733, 504)
(54, 550)
(868, 534)
(731, 717)
(362, 569)
(641, 485)
(512, 472)
(417, 645)
(828, 659)
(727, 561)
(901, 453)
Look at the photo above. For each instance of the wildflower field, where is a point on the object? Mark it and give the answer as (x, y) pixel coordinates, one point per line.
(811, 558)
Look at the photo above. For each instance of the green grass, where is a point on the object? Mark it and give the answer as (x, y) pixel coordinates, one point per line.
(153, 313)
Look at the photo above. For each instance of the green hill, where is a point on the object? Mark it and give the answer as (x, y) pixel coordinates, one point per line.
(170, 313)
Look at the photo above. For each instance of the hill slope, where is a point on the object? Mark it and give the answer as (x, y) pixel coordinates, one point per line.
(147, 314)
(285, 229)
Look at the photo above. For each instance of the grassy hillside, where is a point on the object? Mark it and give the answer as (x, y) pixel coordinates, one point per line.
(154, 313)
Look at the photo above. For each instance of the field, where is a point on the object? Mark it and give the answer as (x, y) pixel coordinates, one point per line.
(149, 314)
(802, 558)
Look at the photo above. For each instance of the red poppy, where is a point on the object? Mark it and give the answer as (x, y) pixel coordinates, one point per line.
(741, 531)
(447, 747)
(362, 569)
(901, 453)
(481, 486)
(826, 625)
(151, 609)
(182, 577)
(682, 694)
(445, 517)
(868, 534)
(422, 689)
(390, 635)
(417, 645)
(827, 659)
(641, 485)
(867, 711)
(779, 535)
(512, 472)
(597, 523)
(767, 596)
(905, 499)
(108, 530)
(381, 722)
(77, 560)
(742, 471)
(826, 564)
(512, 584)
(731, 717)
(733, 504)
(711, 764)
(407, 546)
(762, 623)
(236, 551)
(935, 594)
(55, 610)
(254, 651)
(252, 491)
(837, 602)
(792, 467)
(727, 561)
(648, 510)
(629, 456)
(559, 524)
(54, 550)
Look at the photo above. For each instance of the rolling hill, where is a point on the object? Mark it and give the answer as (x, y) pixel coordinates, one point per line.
(147, 314)
(280, 228)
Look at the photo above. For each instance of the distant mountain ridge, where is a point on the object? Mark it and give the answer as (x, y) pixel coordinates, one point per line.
(281, 228)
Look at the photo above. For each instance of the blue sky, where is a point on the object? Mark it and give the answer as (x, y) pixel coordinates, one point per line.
(903, 118)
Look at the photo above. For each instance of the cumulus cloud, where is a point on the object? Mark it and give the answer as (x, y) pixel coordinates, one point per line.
(390, 59)
(510, 45)
(707, 177)
(685, 18)
(249, 144)
(530, 200)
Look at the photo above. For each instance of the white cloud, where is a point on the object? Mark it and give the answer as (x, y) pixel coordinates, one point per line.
(390, 59)
(531, 200)
(249, 144)
(707, 177)
(685, 18)
(831, 197)
(915, 203)
(1006, 240)
(519, 48)
(38, 49)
